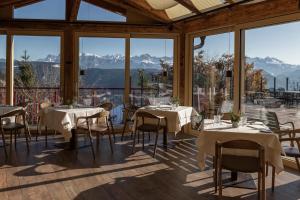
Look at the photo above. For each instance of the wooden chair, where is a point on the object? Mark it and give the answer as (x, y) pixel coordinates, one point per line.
(276, 127)
(128, 112)
(42, 106)
(14, 127)
(108, 107)
(291, 150)
(25, 106)
(97, 123)
(235, 163)
(143, 125)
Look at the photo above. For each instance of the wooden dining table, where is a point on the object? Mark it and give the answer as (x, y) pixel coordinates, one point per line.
(222, 132)
(175, 118)
(63, 120)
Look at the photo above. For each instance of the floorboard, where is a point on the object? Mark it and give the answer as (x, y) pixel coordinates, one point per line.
(54, 173)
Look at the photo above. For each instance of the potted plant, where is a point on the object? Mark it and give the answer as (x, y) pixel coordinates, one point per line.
(235, 119)
(175, 101)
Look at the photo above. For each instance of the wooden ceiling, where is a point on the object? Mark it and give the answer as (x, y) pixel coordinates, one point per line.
(160, 11)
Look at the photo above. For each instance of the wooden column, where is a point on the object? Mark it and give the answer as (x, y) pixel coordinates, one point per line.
(69, 90)
(7, 13)
(9, 70)
(181, 74)
(127, 70)
(239, 60)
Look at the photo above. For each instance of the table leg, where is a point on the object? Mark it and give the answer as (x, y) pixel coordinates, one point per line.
(165, 139)
(73, 140)
(234, 176)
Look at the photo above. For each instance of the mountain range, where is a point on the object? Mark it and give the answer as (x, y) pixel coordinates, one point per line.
(99, 67)
(116, 61)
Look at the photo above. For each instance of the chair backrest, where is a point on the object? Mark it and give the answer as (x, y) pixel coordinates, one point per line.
(145, 115)
(98, 115)
(272, 121)
(14, 113)
(237, 162)
(107, 106)
(129, 110)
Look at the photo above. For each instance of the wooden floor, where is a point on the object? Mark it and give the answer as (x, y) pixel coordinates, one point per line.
(53, 173)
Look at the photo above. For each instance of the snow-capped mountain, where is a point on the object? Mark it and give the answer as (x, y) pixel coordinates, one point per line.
(116, 61)
(272, 65)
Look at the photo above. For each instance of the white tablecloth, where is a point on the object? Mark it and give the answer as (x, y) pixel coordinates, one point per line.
(176, 118)
(256, 132)
(63, 119)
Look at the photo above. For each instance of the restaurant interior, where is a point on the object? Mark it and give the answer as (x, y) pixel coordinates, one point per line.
(149, 99)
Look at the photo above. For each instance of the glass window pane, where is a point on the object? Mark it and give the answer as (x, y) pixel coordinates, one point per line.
(102, 73)
(2, 69)
(213, 74)
(36, 71)
(89, 12)
(272, 72)
(151, 70)
(48, 9)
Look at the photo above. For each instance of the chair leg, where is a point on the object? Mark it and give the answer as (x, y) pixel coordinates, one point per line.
(46, 136)
(133, 145)
(26, 132)
(267, 168)
(149, 138)
(298, 163)
(37, 129)
(259, 186)
(91, 143)
(29, 134)
(112, 130)
(143, 140)
(155, 145)
(215, 174)
(220, 181)
(4, 144)
(273, 178)
(263, 180)
(11, 135)
(138, 134)
(124, 129)
(111, 143)
(16, 139)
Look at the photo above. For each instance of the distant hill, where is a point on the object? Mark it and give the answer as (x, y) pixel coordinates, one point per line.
(274, 67)
(108, 70)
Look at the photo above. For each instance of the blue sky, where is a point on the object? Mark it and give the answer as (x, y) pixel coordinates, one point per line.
(281, 41)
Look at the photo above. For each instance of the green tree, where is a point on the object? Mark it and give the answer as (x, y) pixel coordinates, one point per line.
(25, 77)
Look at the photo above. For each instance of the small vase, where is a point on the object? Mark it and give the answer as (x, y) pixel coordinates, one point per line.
(235, 124)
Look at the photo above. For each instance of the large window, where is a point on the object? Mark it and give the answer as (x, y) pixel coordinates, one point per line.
(213, 73)
(102, 72)
(272, 72)
(36, 71)
(90, 12)
(48, 9)
(2, 69)
(151, 70)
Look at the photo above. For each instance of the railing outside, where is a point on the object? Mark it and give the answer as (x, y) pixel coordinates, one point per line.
(87, 96)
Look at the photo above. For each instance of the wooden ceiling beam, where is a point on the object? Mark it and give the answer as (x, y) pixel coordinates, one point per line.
(26, 3)
(9, 2)
(189, 5)
(143, 8)
(108, 6)
(58, 25)
(72, 8)
(241, 14)
(17, 3)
